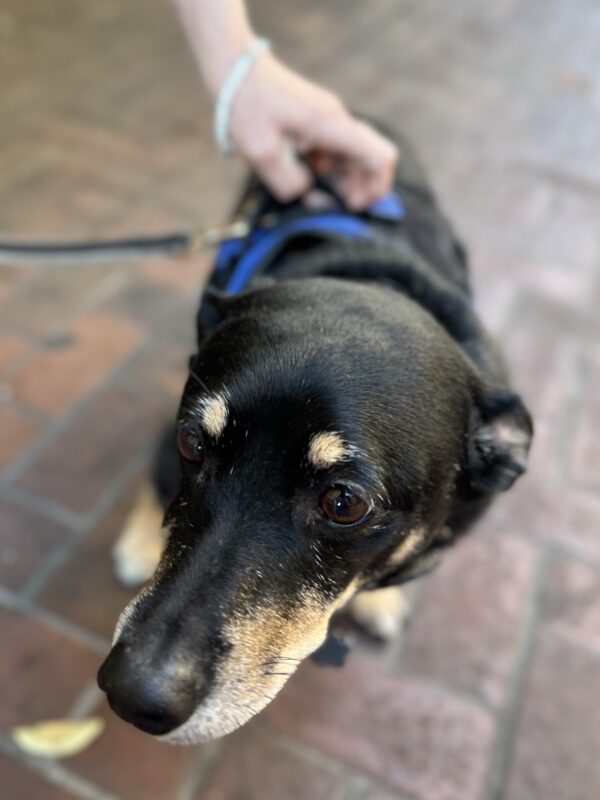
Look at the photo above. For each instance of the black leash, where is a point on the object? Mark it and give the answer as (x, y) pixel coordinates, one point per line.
(95, 252)
(179, 243)
(176, 244)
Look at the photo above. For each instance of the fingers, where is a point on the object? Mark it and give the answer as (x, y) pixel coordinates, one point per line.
(278, 116)
(368, 160)
(365, 161)
(277, 165)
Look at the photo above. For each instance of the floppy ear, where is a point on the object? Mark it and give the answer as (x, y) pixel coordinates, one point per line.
(499, 440)
(216, 305)
(213, 304)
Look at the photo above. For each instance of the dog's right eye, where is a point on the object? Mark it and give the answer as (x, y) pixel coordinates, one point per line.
(343, 506)
(189, 444)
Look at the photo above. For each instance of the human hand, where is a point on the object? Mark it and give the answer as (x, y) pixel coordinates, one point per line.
(278, 116)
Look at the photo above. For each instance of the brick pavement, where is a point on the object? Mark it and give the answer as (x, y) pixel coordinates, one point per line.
(491, 693)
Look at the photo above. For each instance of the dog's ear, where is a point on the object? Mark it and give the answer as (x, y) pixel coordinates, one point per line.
(213, 309)
(216, 305)
(499, 440)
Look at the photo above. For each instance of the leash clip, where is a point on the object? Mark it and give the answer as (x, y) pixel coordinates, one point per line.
(214, 235)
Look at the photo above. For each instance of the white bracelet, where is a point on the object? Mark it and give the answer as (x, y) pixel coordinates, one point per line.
(241, 67)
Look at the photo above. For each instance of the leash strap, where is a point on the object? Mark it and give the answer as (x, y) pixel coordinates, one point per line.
(246, 245)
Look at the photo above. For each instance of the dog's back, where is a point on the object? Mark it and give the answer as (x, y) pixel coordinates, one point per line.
(418, 254)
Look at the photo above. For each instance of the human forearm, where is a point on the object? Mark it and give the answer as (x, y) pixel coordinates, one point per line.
(218, 31)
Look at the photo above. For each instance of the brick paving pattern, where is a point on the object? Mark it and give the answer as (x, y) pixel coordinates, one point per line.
(492, 691)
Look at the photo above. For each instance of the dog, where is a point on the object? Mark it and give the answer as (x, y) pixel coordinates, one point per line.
(346, 418)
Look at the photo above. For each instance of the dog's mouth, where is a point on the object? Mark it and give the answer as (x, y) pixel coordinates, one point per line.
(177, 711)
(231, 702)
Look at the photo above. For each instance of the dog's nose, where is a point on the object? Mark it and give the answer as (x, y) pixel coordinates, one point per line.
(153, 698)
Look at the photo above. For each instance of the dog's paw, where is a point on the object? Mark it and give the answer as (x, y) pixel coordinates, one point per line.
(380, 612)
(139, 547)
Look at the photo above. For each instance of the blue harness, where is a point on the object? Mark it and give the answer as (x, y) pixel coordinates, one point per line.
(245, 256)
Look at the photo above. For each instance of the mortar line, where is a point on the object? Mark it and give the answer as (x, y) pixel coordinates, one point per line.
(42, 506)
(60, 424)
(62, 552)
(87, 701)
(43, 616)
(322, 758)
(570, 418)
(509, 717)
(199, 776)
(55, 773)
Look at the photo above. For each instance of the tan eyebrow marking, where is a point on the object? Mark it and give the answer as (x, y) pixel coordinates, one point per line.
(326, 449)
(214, 415)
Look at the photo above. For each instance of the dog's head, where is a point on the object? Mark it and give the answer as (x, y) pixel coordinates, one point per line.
(328, 431)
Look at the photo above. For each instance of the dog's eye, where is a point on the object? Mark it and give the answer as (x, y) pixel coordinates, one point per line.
(189, 444)
(343, 505)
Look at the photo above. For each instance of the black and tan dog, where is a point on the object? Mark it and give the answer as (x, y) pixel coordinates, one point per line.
(346, 417)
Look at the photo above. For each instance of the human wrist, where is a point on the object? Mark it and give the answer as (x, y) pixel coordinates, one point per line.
(217, 61)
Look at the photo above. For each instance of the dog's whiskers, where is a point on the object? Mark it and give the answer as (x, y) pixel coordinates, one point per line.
(199, 380)
(273, 660)
(250, 708)
(271, 674)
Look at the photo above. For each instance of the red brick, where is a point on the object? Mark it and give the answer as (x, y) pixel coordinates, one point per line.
(17, 432)
(26, 540)
(133, 765)
(85, 589)
(57, 294)
(11, 348)
(556, 747)
(205, 208)
(544, 367)
(58, 377)
(116, 426)
(494, 299)
(148, 303)
(86, 197)
(184, 274)
(254, 766)
(411, 736)
(549, 512)
(19, 783)
(570, 601)
(548, 317)
(550, 280)
(469, 615)
(363, 790)
(585, 447)
(44, 670)
(149, 218)
(7, 285)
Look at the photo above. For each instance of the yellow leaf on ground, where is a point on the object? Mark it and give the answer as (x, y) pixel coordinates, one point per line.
(58, 738)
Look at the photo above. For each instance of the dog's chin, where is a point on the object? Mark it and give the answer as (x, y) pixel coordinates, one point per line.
(222, 712)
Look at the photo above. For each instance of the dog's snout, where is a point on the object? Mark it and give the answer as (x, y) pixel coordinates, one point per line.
(155, 698)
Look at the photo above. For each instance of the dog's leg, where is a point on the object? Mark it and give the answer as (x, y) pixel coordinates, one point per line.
(139, 547)
(380, 612)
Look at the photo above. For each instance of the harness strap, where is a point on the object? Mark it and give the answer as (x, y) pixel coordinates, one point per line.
(260, 247)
